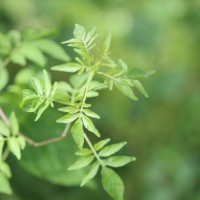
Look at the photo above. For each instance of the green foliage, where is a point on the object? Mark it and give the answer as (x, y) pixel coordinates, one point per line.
(94, 70)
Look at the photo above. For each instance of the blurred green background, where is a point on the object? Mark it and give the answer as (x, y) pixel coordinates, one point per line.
(163, 130)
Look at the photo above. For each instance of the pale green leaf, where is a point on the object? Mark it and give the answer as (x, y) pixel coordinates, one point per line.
(77, 133)
(123, 65)
(111, 149)
(2, 142)
(22, 142)
(92, 173)
(3, 78)
(14, 147)
(84, 152)
(118, 161)
(46, 83)
(90, 126)
(90, 113)
(4, 185)
(69, 109)
(140, 87)
(4, 129)
(37, 86)
(138, 73)
(14, 126)
(4, 167)
(78, 80)
(112, 183)
(53, 49)
(106, 43)
(68, 118)
(126, 90)
(33, 54)
(42, 108)
(79, 32)
(81, 162)
(68, 67)
(101, 144)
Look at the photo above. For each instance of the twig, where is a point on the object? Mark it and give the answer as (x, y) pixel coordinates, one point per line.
(32, 142)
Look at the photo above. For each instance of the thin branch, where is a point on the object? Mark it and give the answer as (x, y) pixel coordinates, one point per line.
(32, 142)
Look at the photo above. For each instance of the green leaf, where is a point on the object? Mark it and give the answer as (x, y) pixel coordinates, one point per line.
(79, 32)
(77, 133)
(46, 83)
(68, 118)
(18, 58)
(106, 43)
(140, 87)
(90, 113)
(84, 152)
(2, 142)
(78, 80)
(14, 126)
(34, 54)
(68, 67)
(42, 108)
(138, 73)
(4, 130)
(112, 183)
(37, 86)
(118, 161)
(90, 126)
(111, 149)
(81, 162)
(4, 185)
(101, 144)
(4, 76)
(53, 49)
(4, 167)
(123, 65)
(69, 109)
(92, 173)
(126, 90)
(28, 94)
(14, 147)
(22, 142)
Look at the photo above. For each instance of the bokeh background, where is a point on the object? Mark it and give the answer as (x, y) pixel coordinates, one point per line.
(163, 131)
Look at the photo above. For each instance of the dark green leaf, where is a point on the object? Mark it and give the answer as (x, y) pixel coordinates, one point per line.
(138, 73)
(112, 183)
(81, 162)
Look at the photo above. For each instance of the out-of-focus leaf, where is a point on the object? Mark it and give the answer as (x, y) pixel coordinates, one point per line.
(68, 67)
(14, 126)
(90, 113)
(4, 185)
(4, 129)
(3, 78)
(84, 152)
(112, 183)
(140, 87)
(79, 32)
(52, 48)
(4, 167)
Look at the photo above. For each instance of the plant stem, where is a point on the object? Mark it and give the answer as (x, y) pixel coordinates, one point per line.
(93, 150)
